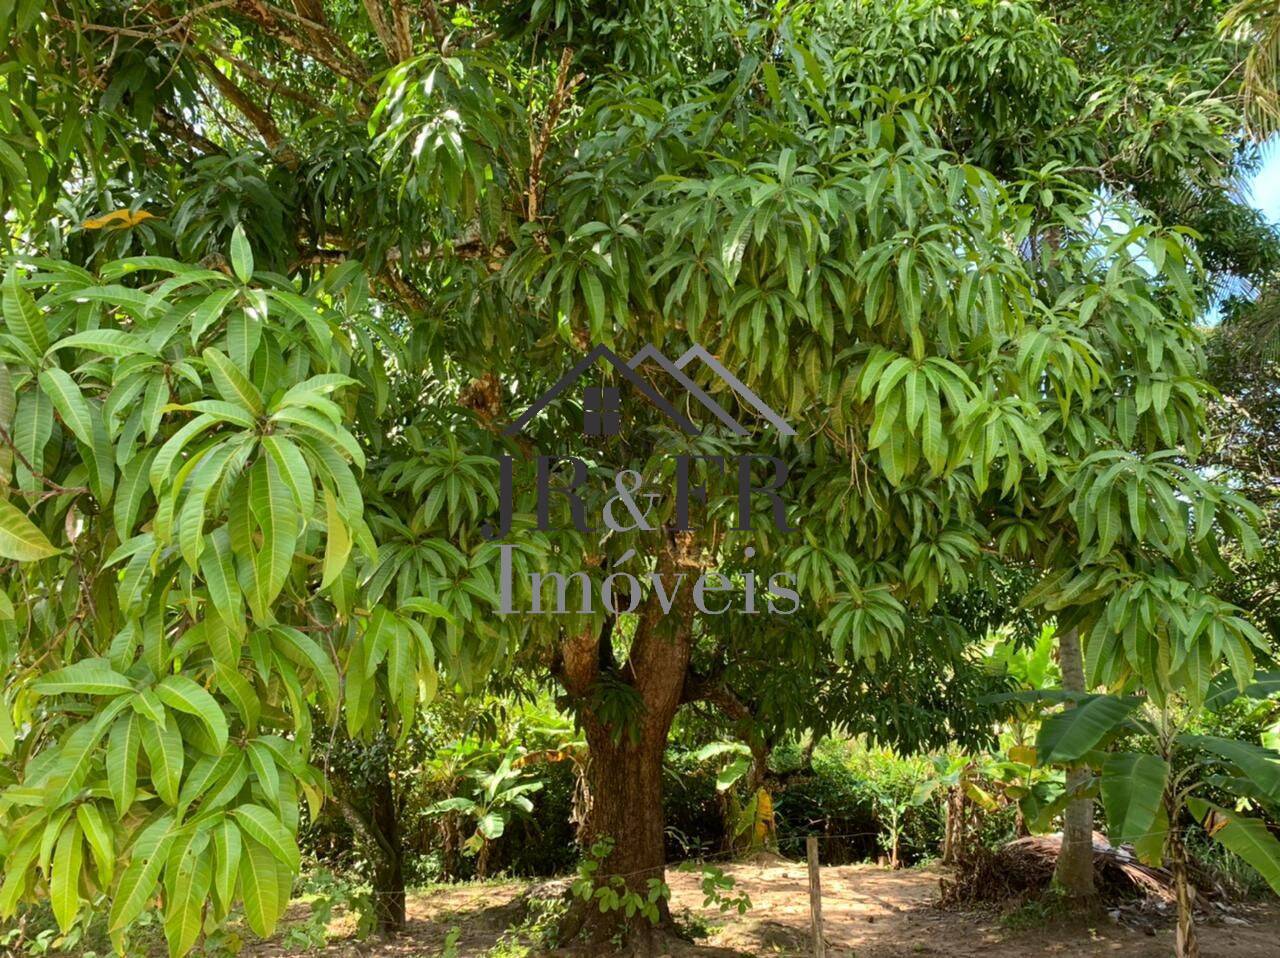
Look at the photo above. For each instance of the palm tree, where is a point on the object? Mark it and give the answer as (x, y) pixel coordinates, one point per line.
(1258, 22)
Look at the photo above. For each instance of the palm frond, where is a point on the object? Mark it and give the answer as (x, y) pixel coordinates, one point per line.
(1258, 22)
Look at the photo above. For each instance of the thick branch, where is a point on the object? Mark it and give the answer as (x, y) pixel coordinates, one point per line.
(408, 294)
(270, 84)
(435, 24)
(718, 695)
(384, 29)
(579, 661)
(665, 636)
(359, 823)
(262, 121)
(307, 36)
(310, 9)
(400, 29)
(181, 130)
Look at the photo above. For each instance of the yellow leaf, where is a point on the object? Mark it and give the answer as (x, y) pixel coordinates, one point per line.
(979, 797)
(764, 823)
(117, 219)
(1023, 754)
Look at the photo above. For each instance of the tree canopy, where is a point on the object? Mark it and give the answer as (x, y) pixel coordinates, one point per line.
(279, 276)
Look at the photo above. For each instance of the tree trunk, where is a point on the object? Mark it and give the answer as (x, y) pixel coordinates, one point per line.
(369, 806)
(1074, 872)
(624, 772)
(388, 867)
(626, 785)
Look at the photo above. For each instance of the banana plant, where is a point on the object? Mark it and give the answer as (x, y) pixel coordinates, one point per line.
(499, 795)
(1015, 768)
(751, 820)
(1147, 793)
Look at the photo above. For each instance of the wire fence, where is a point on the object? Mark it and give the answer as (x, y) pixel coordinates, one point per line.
(726, 855)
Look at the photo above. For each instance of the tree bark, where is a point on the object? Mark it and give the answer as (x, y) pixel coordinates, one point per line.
(388, 867)
(626, 785)
(624, 772)
(376, 822)
(1074, 872)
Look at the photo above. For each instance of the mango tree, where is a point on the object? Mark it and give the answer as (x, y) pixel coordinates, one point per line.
(283, 276)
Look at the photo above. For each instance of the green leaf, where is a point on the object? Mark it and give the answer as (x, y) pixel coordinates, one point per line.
(305, 651)
(241, 255)
(217, 565)
(227, 848)
(200, 484)
(7, 732)
(17, 864)
(594, 295)
(184, 694)
(108, 342)
(101, 840)
(1223, 689)
(184, 900)
(1247, 837)
(78, 751)
(491, 826)
(264, 827)
(241, 694)
(22, 316)
(1072, 733)
(337, 541)
(19, 537)
(731, 773)
(260, 887)
(163, 745)
(1150, 847)
(264, 769)
(69, 402)
(1260, 765)
(272, 506)
(210, 311)
(1132, 791)
(86, 677)
(64, 883)
(293, 468)
(122, 761)
(139, 880)
(158, 474)
(231, 383)
(130, 493)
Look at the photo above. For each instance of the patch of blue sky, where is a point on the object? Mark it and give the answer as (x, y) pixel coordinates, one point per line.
(1264, 194)
(1264, 188)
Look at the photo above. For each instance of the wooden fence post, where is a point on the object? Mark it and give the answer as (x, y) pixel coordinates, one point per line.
(815, 897)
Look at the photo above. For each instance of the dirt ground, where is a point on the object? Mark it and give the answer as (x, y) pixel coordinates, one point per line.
(868, 911)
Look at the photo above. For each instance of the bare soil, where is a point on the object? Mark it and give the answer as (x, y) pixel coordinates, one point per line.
(868, 912)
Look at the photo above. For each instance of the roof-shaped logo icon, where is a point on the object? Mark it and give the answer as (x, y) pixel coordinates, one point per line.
(601, 404)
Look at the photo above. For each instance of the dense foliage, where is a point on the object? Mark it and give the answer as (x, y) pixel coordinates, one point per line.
(279, 276)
